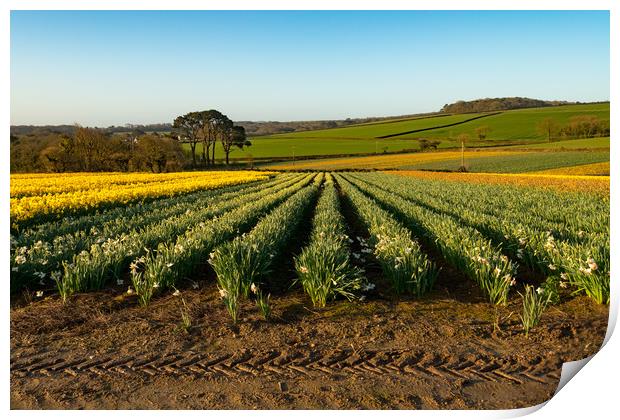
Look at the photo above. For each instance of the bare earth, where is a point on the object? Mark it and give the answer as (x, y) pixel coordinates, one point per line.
(447, 350)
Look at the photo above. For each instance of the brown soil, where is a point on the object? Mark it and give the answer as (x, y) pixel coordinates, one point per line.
(447, 350)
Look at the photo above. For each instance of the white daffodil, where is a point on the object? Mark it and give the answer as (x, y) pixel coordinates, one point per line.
(592, 264)
(585, 270)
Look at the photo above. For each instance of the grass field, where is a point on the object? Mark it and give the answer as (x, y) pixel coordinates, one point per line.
(272, 147)
(516, 127)
(519, 124)
(380, 129)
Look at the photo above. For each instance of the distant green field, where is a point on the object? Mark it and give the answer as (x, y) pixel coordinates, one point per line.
(526, 162)
(506, 129)
(519, 124)
(366, 131)
(263, 147)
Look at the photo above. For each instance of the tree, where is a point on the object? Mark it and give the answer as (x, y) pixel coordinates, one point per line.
(122, 149)
(66, 155)
(157, 154)
(187, 127)
(547, 127)
(209, 130)
(91, 147)
(60, 157)
(222, 125)
(426, 144)
(234, 136)
(482, 132)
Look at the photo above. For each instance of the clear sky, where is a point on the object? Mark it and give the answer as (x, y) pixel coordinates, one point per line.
(110, 68)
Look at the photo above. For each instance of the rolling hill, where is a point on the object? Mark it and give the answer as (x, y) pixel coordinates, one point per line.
(506, 128)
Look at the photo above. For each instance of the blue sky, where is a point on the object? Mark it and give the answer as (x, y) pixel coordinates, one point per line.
(110, 68)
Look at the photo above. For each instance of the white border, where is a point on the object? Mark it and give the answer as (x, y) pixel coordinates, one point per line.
(591, 395)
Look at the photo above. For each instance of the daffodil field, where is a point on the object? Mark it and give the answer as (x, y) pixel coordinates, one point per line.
(557, 180)
(147, 235)
(35, 198)
(491, 229)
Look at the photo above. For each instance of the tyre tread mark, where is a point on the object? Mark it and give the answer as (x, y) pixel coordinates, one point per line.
(275, 362)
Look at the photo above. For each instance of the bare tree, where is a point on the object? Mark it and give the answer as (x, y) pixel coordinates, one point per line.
(482, 132)
(157, 154)
(547, 127)
(92, 148)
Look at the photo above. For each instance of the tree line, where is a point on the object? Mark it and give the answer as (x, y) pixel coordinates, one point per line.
(93, 150)
(578, 126)
(499, 104)
(87, 149)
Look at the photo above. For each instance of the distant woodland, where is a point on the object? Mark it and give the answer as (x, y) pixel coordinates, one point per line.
(499, 104)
